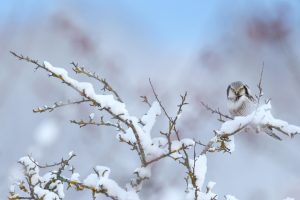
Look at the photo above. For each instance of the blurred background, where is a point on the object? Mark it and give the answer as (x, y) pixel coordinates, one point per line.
(194, 46)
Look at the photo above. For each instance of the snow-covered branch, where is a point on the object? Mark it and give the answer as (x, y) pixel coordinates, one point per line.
(51, 185)
(260, 120)
(132, 130)
(136, 132)
(106, 85)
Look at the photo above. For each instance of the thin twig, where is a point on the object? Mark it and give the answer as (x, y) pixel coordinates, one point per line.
(216, 111)
(160, 103)
(54, 164)
(82, 70)
(145, 100)
(58, 105)
(83, 123)
(260, 89)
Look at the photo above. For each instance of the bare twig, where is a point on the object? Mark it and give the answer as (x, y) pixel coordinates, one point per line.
(166, 155)
(58, 105)
(83, 123)
(216, 111)
(158, 100)
(145, 100)
(259, 86)
(62, 162)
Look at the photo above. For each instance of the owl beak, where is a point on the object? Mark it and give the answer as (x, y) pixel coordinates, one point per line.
(238, 96)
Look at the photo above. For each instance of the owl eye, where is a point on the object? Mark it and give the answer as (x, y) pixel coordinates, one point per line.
(241, 91)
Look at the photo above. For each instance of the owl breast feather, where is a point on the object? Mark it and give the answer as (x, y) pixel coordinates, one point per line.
(242, 107)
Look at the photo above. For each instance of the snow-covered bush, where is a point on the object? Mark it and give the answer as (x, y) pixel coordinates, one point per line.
(136, 132)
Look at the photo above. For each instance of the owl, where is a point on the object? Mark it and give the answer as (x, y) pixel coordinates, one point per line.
(240, 102)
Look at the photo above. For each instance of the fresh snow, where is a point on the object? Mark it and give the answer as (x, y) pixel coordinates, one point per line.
(106, 101)
(143, 172)
(257, 120)
(187, 142)
(210, 185)
(260, 118)
(45, 194)
(92, 116)
(200, 169)
(153, 147)
(230, 197)
(92, 180)
(75, 177)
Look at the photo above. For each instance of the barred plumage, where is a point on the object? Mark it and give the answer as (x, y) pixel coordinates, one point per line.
(241, 103)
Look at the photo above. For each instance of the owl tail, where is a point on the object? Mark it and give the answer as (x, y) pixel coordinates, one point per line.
(270, 132)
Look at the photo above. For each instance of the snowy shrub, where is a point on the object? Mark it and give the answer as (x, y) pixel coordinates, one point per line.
(136, 132)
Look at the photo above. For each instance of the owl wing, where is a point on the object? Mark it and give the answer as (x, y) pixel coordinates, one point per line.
(248, 93)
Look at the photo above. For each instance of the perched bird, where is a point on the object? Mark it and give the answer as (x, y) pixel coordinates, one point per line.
(240, 102)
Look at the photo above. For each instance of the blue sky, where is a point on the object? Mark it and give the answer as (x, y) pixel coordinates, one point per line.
(182, 23)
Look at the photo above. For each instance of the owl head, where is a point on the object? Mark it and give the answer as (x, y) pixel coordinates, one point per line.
(238, 89)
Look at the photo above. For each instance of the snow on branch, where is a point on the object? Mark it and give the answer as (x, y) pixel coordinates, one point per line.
(260, 120)
(51, 185)
(106, 85)
(136, 132)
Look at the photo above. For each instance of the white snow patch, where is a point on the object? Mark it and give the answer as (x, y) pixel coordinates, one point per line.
(230, 197)
(92, 116)
(187, 142)
(71, 153)
(210, 185)
(92, 180)
(143, 172)
(176, 145)
(45, 194)
(75, 177)
(260, 118)
(200, 169)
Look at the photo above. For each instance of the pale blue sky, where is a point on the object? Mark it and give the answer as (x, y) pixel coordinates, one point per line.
(182, 23)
